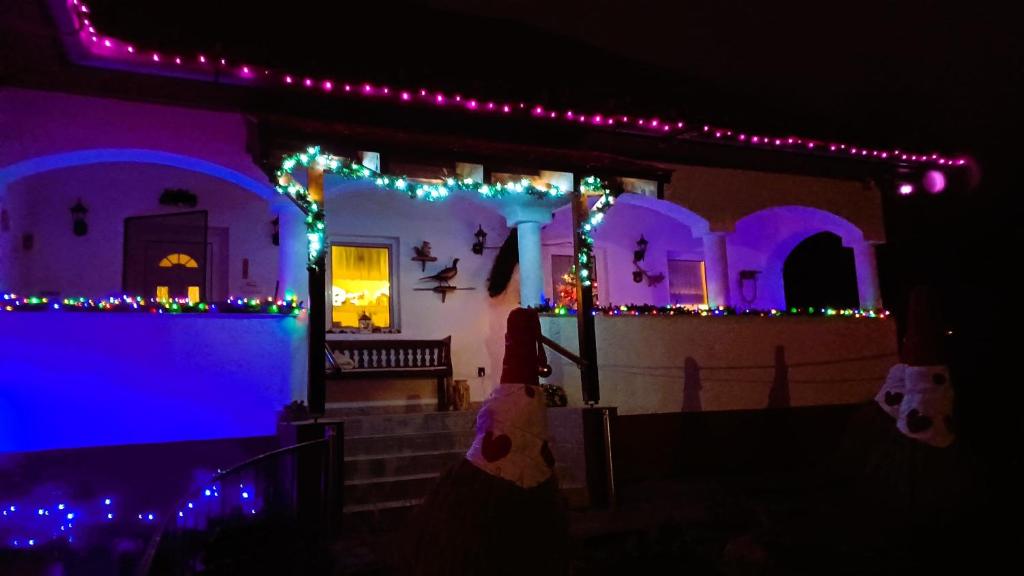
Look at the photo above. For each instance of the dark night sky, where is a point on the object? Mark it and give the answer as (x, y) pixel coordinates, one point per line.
(911, 73)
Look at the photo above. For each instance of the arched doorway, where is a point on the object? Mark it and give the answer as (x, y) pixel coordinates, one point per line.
(820, 272)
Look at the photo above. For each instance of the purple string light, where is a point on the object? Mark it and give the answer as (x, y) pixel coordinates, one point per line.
(109, 49)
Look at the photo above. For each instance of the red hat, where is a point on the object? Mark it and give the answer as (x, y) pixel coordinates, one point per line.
(524, 353)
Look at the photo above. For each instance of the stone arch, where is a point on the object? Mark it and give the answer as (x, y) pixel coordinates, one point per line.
(698, 225)
(40, 164)
(764, 239)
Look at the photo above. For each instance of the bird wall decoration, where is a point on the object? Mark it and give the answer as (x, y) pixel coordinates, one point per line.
(445, 275)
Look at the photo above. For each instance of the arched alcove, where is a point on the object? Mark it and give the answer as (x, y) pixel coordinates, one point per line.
(820, 272)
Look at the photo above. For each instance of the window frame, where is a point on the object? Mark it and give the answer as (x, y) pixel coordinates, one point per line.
(703, 278)
(393, 246)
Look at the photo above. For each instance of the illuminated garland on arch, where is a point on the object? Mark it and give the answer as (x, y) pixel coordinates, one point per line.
(15, 303)
(336, 165)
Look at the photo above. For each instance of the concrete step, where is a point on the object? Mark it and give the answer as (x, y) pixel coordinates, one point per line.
(379, 517)
(389, 489)
(396, 444)
(392, 424)
(370, 468)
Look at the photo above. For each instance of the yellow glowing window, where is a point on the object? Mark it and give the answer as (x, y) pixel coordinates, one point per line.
(361, 286)
(178, 259)
(162, 293)
(193, 293)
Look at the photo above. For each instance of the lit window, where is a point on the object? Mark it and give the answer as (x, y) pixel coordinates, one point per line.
(163, 293)
(193, 293)
(563, 280)
(361, 286)
(686, 282)
(178, 259)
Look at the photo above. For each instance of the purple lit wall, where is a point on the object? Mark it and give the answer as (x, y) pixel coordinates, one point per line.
(615, 241)
(91, 265)
(72, 380)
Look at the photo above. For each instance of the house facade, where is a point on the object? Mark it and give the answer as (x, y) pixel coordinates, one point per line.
(105, 195)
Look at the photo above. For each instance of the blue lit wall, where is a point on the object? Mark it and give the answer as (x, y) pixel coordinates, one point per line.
(71, 380)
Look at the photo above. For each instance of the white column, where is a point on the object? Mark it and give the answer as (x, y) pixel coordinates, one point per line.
(293, 252)
(716, 269)
(867, 276)
(531, 273)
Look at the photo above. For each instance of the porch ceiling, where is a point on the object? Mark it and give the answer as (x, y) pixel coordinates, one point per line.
(271, 137)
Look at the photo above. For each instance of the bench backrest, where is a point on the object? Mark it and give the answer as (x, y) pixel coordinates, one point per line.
(396, 356)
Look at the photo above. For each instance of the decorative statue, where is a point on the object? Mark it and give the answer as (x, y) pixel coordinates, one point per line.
(499, 510)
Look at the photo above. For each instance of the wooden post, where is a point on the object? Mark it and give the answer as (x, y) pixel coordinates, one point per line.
(316, 384)
(584, 306)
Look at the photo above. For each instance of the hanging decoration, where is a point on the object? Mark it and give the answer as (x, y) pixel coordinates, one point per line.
(684, 310)
(15, 303)
(224, 69)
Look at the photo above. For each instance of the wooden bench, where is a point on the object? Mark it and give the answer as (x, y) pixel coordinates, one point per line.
(394, 359)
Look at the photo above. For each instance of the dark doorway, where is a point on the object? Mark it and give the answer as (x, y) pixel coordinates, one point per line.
(820, 272)
(167, 256)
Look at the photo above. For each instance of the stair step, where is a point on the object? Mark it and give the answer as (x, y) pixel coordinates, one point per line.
(412, 463)
(395, 444)
(395, 488)
(396, 424)
(378, 506)
(379, 517)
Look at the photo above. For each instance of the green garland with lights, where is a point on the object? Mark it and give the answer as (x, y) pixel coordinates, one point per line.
(591, 185)
(346, 168)
(14, 303)
(681, 310)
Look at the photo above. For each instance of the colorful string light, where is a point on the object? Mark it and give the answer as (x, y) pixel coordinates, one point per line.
(285, 307)
(687, 310)
(225, 69)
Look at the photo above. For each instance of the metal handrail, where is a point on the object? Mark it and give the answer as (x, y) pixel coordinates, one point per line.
(145, 565)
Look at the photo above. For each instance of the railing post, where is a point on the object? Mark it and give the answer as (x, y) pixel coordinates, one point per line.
(584, 305)
(334, 482)
(598, 425)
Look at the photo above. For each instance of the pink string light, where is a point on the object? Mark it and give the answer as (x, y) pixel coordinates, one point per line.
(79, 10)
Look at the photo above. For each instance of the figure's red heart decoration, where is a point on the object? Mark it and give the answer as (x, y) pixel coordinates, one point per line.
(545, 453)
(893, 398)
(495, 448)
(917, 422)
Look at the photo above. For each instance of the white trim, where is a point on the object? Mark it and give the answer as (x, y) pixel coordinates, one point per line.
(393, 244)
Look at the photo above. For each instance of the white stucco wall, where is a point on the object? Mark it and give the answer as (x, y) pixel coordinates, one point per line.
(641, 359)
(91, 265)
(475, 321)
(614, 243)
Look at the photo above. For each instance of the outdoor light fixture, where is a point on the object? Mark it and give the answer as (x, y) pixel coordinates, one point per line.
(641, 249)
(906, 189)
(481, 237)
(78, 224)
